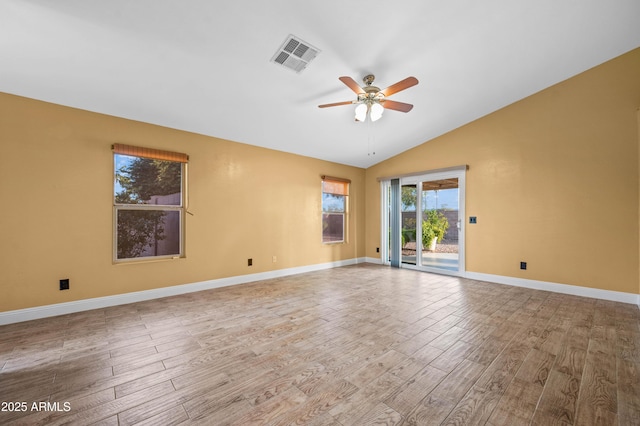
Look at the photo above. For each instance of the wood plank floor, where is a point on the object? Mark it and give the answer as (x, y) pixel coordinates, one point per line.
(356, 345)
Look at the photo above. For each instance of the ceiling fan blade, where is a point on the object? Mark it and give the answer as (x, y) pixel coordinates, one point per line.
(396, 106)
(401, 85)
(335, 104)
(351, 83)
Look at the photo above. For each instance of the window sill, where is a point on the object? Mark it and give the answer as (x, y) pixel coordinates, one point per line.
(146, 260)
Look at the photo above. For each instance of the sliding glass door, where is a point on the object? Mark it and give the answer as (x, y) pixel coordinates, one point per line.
(424, 222)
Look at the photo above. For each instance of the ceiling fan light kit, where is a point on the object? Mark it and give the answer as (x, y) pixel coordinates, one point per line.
(371, 100)
(361, 112)
(375, 111)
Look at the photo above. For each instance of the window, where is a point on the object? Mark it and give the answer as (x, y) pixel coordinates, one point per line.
(148, 203)
(335, 199)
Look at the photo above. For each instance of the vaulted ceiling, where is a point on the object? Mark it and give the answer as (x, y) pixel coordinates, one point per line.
(205, 66)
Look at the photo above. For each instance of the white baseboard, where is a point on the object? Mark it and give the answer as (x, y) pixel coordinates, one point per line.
(46, 311)
(594, 293)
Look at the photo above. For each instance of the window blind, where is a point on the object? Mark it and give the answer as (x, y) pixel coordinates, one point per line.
(154, 154)
(337, 186)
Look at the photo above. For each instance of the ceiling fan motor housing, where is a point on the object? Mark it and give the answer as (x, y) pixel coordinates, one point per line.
(372, 94)
(370, 91)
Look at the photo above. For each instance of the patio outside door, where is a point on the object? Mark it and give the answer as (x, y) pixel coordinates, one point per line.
(408, 223)
(441, 209)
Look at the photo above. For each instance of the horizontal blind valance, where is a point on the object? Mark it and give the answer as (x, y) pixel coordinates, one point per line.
(337, 186)
(154, 154)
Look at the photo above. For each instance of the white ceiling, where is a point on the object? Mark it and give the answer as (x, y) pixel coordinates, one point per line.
(204, 65)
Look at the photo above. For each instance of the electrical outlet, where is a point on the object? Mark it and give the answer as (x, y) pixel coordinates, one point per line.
(523, 265)
(249, 262)
(64, 284)
(473, 219)
(377, 249)
(274, 259)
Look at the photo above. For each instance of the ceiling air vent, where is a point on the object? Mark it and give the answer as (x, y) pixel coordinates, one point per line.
(295, 54)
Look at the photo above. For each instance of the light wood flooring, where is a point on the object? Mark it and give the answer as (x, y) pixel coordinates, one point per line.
(356, 345)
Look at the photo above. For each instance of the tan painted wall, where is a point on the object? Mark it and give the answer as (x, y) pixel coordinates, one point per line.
(553, 180)
(56, 221)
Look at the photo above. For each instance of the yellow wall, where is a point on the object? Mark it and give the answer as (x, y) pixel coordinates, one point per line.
(553, 180)
(56, 178)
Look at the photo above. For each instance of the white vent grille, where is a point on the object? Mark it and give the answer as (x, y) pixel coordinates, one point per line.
(295, 54)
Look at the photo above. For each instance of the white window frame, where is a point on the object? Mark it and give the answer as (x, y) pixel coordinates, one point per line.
(344, 214)
(181, 209)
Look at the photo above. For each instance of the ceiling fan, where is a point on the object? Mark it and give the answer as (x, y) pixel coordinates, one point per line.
(371, 100)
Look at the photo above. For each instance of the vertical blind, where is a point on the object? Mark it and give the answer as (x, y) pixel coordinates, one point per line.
(394, 223)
